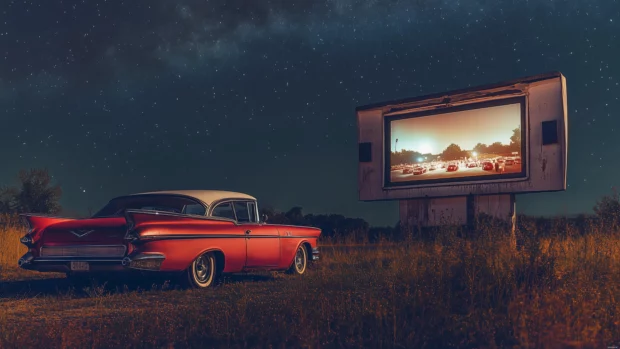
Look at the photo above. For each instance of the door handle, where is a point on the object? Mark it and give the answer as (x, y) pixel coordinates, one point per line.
(247, 232)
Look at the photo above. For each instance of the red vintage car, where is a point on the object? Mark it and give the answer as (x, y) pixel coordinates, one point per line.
(199, 234)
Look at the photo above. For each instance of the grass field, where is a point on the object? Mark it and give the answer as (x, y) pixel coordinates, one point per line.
(559, 290)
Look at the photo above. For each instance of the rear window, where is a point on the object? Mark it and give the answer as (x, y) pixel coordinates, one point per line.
(162, 203)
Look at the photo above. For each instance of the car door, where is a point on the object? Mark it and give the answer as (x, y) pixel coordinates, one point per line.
(262, 241)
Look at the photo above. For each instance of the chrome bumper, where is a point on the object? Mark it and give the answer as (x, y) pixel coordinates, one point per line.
(148, 261)
(315, 253)
(144, 261)
(63, 264)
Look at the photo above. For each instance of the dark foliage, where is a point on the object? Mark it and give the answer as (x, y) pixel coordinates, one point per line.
(34, 194)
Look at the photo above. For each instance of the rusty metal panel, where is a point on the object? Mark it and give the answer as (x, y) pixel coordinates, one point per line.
(433, 212)
(546, 167)
(498, 206)
(427, 212)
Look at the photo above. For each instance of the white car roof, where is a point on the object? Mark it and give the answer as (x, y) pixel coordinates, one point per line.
(206, 196)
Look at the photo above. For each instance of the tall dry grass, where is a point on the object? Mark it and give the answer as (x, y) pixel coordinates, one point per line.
(559, 290)
(10, 247)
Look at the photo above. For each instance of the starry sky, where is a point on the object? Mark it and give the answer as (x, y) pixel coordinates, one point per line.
(115, 97)
(434, 133)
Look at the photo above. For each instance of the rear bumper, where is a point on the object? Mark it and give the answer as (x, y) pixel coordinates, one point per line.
(63, 264)
(99, 264)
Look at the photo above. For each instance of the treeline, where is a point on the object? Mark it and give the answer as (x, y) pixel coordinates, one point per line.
(333, 226)
(36, 193)
(455, 152)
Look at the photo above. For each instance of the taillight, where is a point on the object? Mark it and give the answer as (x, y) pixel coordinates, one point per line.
(131, 234)
(26, 240)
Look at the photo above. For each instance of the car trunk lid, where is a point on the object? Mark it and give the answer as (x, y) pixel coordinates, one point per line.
(91, 231)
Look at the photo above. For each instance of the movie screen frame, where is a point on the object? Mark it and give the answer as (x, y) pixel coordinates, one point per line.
(505, 177)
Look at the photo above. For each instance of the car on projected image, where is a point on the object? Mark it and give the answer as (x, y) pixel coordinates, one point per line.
(452, 168)
(197, 235)
(488, 166)
(510, 162)
(419, 170)
(472, 165)
(408, 170)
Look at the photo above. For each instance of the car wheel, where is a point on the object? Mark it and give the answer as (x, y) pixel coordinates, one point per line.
(300, 261)
(202, 273)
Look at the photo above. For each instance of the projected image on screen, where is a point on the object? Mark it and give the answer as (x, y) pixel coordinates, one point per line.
(471, 144)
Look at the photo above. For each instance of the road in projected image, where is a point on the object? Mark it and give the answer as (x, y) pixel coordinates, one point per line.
(408, 173)
(466, 143)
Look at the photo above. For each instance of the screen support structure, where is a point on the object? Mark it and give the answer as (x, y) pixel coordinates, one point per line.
(464, 211)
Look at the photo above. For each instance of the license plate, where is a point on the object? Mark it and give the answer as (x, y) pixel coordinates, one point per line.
(79, 266)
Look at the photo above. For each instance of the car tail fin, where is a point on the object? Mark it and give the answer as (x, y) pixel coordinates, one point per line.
(35, 223)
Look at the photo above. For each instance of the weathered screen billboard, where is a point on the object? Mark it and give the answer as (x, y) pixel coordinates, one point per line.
(479, 141)
(505, 138)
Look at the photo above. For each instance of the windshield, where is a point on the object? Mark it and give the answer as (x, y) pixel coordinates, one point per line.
(166, 203)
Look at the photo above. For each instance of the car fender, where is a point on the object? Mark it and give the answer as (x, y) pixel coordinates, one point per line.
(309, 252)
(209, 249)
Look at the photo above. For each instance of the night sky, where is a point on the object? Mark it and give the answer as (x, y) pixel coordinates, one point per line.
(258, 96)
(434, 133)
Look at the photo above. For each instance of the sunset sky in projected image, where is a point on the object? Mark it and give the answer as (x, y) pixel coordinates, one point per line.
(434, 133)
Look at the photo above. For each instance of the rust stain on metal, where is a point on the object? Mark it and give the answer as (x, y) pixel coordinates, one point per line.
(366, 173)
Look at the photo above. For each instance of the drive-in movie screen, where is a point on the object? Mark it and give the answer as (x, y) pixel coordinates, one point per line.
(476, 142)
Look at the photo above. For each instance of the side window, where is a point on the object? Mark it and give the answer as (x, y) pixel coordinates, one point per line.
(252, 208)
(196, 209)
(224, 210)
(241, 209)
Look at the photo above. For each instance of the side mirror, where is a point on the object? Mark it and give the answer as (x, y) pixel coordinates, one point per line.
(263, 218)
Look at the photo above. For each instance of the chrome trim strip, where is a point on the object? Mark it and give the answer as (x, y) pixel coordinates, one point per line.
(219, 236)
(76, 247)
(77, 232)
(64, 260)
(293, 226)
(83, 245)
(126, 262)
(182, 215)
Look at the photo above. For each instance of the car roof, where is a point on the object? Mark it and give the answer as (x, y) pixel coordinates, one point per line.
(206, 196)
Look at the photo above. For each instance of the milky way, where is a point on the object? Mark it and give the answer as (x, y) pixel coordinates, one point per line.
(259, 96)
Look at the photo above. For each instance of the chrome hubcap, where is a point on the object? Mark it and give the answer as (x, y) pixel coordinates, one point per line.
(300, 260)
(202, 269)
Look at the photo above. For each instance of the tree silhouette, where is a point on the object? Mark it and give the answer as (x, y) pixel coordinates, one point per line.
(516, 136)
(404, 157)
(7, 199)
(35, 194)
(480, 148)
(452, 152)
(515, 139)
